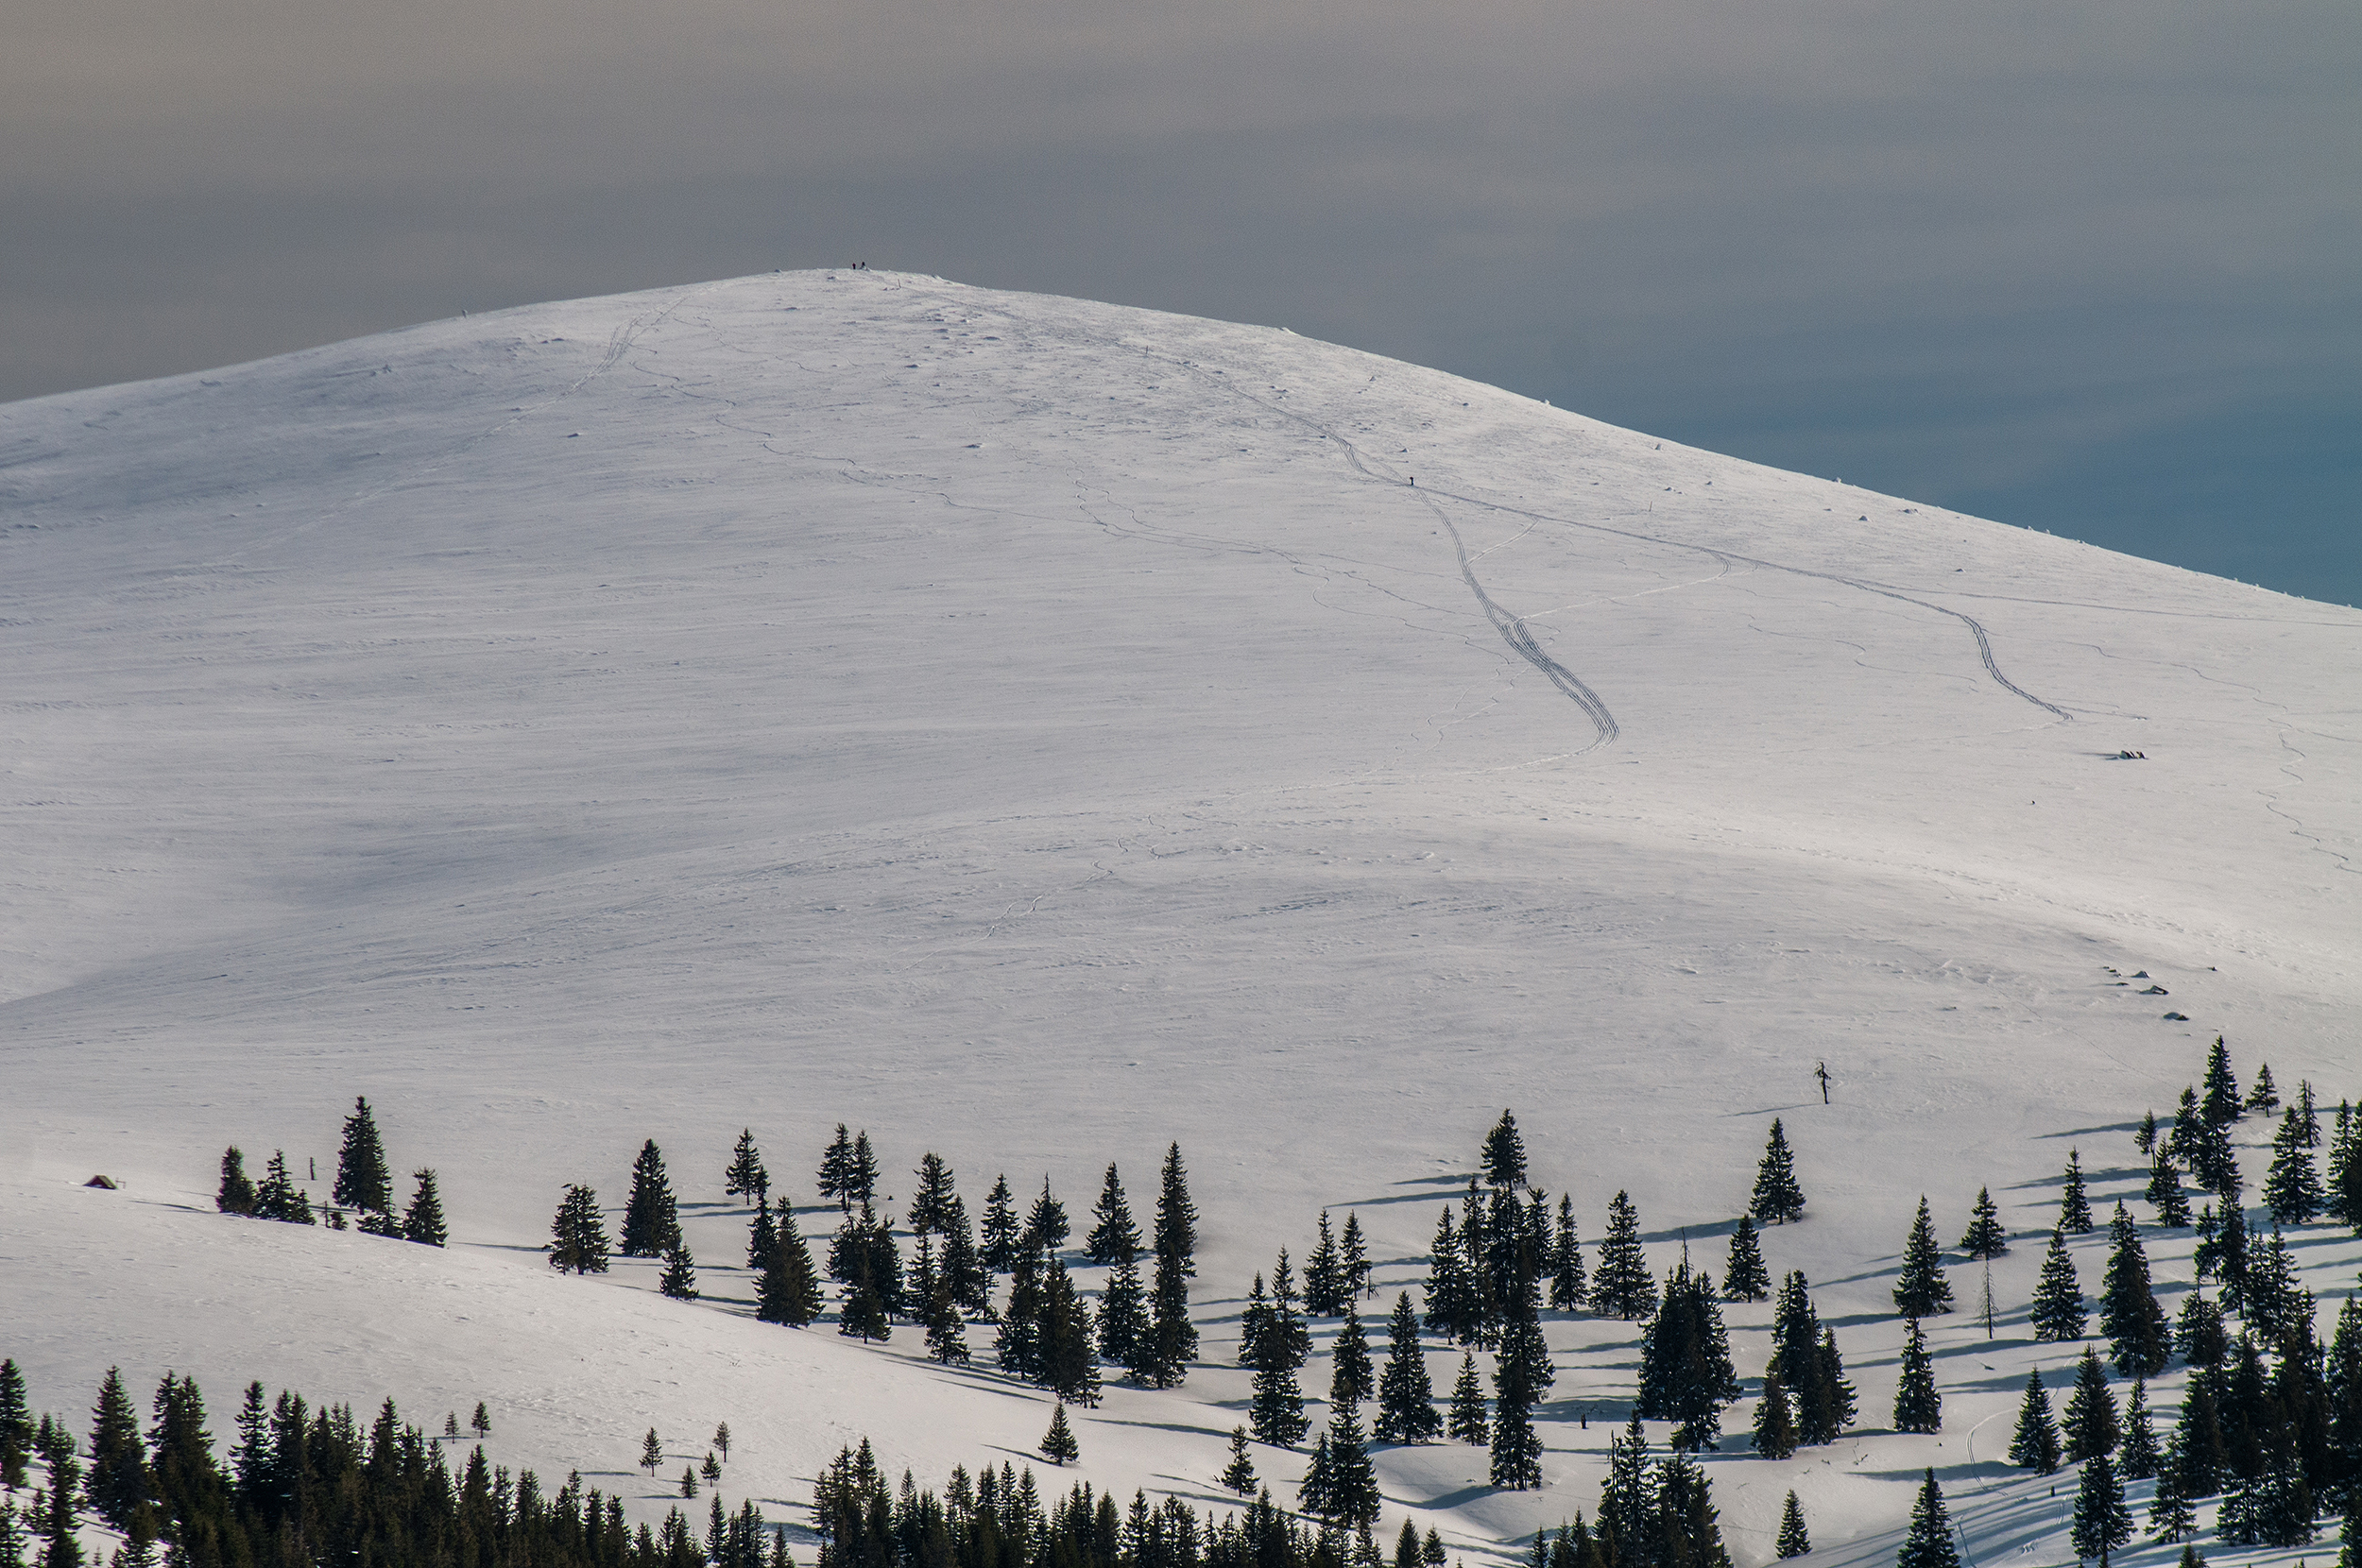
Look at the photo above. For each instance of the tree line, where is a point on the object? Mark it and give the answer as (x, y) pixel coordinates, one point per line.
(305, 1485)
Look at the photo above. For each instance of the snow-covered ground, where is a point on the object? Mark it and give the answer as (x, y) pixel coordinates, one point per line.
(1035, 731)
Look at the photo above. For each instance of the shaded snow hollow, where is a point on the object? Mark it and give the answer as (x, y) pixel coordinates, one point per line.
(1035, 731)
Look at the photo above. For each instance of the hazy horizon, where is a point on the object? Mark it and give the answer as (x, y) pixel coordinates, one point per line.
(2085, 270)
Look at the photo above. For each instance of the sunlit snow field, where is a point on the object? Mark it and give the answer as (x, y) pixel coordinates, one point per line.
(1036, 731)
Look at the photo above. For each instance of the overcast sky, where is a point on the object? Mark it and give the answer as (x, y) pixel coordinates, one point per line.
(2090, 267)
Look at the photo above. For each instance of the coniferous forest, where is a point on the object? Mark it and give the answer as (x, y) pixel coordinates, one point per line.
(2266, 1437)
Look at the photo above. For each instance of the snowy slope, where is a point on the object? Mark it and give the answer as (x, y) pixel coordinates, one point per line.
(1037, 730)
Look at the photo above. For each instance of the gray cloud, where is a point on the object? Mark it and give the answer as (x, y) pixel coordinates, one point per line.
(2086, 266)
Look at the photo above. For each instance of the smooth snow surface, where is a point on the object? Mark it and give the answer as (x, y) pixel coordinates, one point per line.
(1035, 731)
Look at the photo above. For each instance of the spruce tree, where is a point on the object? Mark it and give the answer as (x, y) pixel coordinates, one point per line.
(1794, 1540)
(861, 1173)
(578, 1235)
(1114, 1238)
(2090, 1426)
(2219, 1103)
(2101, 1521)
(2202, 1457)
(1313, 1491)
(2139, 1336)
(2165, 1193)
(1325, 1287)
(836, 1170)
(1122, 1314)
(745, 1177)
(2214, 1163)
(117, 1487)
(1170, 1343)
(1622, 1285)
(2264, 1097)
(424, 1220)
(1689, 1529)
(1627, 1501)
(1019, 1346)
(2182, 1141)
(787, 1287)
(2145, 1136)
(13, 1541)
(1918, 1407)
(1469, 1422)
(2058, 1312)
(762, 1236)
(2170, 1514)
(2198, 1337)
(2342, 1201)
(1686, 1372)
(364, 1181)
(1451, 1309)
(1254, 1319)
(1354, 1252)
(1744, 1277)
(2035, 1444)
(1928, 1542)
(1277, 1409)
(1985, 1237)
(2074, 1205)
(651, 1218)
(1406, 1398)
(2342, 1394)
(947, 1332)
(2137, 1457)
(1804, 1358)
(1000, 1229)
(1521, 1375)
(1922, 1290)
(1284, 1334)
(1776, 1435)
(16, 1426)
(1353, 1497)
(59, 1519)
(1569, 1288)
(1349, 1379)
(1058, 1444)
(1832, 1411)
(2308, 1114)
(1505, 1155)
(935, 1208)
(1069, 1360)
(680, 1280)
(279, 1198)
(1046, 1227)
(1777, 1198)
(236, 1192)
(861, 1315)
(2293, 1191)
(1238, 1474)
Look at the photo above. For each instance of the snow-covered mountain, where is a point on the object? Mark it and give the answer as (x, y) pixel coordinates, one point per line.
(1036, 731)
